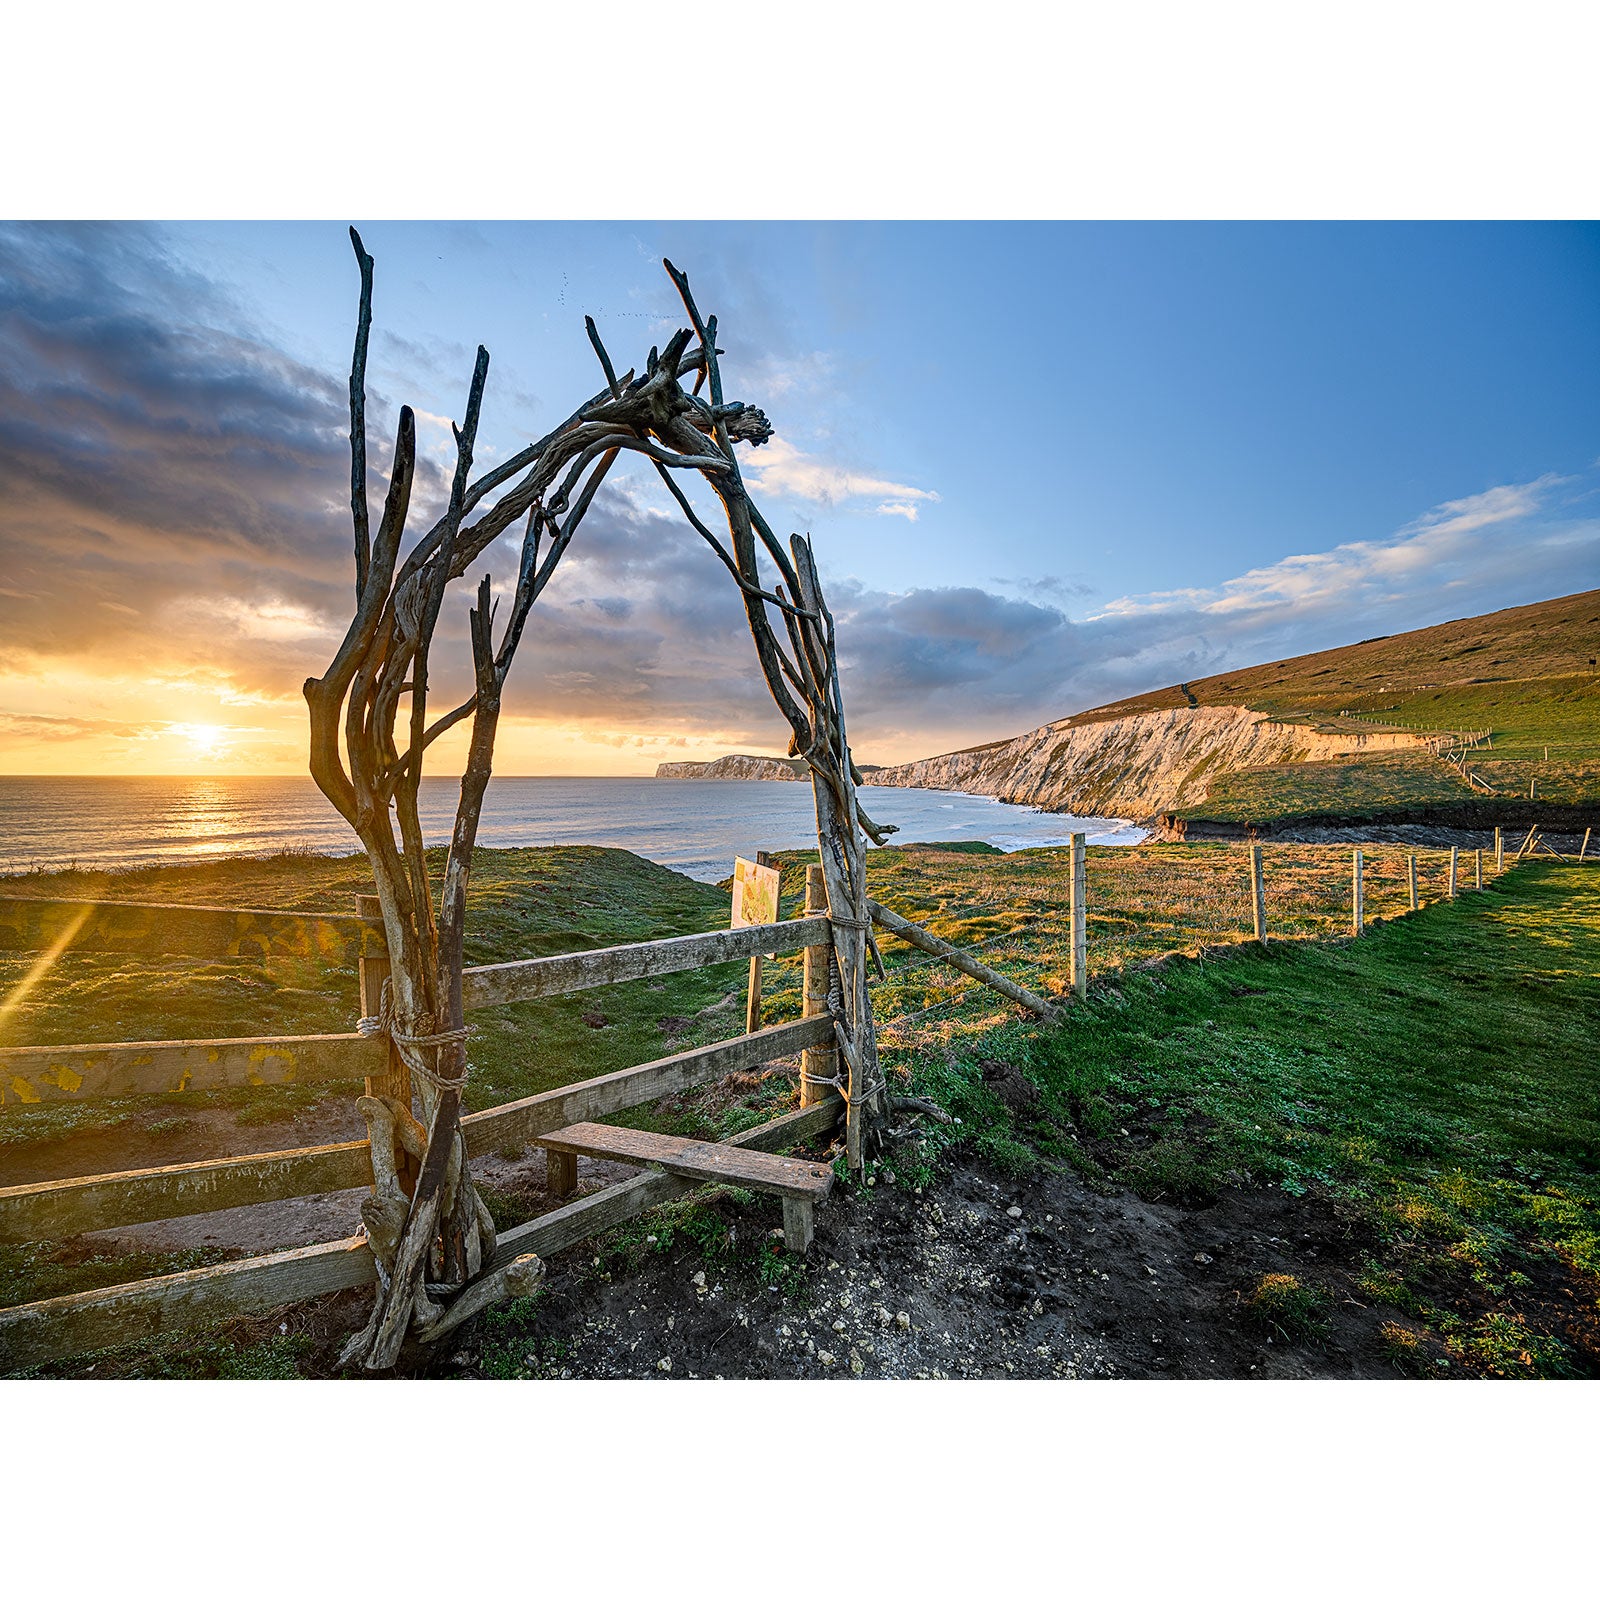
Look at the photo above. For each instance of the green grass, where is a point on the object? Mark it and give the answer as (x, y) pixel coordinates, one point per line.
(1296, 1312)
(1559, 715)
(1525, 716)
(1440, 1074)
(523, 903)
(1144, 903)
(1546, 729)
(1348, 786)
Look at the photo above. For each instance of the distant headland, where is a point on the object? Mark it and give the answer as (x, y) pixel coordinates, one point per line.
(1494, 717)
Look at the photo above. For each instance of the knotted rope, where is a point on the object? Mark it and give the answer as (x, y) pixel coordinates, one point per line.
(383, 1025)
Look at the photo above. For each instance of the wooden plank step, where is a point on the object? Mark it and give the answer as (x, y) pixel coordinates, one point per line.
(694, 1158)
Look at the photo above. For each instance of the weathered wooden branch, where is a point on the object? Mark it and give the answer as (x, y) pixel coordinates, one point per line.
(518, 1278)
(358, 420)
(913, 934)
(916, 1104)
(371, 772)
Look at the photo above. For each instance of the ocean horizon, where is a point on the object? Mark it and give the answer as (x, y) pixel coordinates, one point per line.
(694, 825)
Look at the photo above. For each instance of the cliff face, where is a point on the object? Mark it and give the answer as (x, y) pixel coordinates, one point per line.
(771, 767)
(1130, 766)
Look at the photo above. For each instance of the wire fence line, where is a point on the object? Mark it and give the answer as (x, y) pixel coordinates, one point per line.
(1142, 903)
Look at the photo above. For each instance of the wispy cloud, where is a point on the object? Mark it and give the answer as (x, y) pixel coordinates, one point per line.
(780, 470)
(780, 377)
(66, 730)
(1443, 546)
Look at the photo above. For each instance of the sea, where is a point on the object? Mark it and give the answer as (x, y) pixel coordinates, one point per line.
(696, 826)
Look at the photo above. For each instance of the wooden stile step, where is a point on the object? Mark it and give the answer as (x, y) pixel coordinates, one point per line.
(800, 1183)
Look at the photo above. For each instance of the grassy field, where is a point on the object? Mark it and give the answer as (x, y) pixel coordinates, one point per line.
(1437, 1075)
(524, 903)
(1365, 787)
(1545, 730)
(1144, 902)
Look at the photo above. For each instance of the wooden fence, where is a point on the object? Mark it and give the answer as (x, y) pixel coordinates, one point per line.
(77, 1323)
(74, 1324)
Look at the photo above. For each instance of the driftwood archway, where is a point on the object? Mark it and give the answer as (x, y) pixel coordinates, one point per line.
(429, 1231)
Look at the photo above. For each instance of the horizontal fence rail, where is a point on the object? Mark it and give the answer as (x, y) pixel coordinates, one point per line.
(29, 921)
(69, 1206)
(592, 969)
(30, 1074)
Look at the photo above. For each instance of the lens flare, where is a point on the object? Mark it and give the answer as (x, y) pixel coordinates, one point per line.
(47, 959)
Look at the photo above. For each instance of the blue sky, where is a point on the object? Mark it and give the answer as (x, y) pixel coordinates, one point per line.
(1088, 401)
(1044, 464)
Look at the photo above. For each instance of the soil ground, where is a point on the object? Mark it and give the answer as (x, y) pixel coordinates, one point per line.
(978, 1275)
(949, 1283)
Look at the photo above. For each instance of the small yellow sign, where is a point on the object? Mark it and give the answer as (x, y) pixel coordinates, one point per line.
(755, 893)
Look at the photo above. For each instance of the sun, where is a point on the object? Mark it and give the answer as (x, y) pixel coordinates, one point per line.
(205, 739)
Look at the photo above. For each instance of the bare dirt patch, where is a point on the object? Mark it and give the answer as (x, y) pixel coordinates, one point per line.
(978, 1276)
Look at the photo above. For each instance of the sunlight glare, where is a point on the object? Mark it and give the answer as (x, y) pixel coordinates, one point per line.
(47, 959)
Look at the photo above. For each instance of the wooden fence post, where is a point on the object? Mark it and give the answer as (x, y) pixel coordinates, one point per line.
(1499, 852)
(1357, 917)
(1411, 875)
(823, 1062)
(1080, 920)
(1455, 853)
(1258, 894)
(1477, 869)
(752, 1004)
(1583, 849)
(395, 1082)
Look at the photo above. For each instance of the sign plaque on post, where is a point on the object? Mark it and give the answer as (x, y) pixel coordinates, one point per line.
(755, 901)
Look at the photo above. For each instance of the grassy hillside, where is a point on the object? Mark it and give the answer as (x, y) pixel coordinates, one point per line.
(1439, 677)
(1528, 676)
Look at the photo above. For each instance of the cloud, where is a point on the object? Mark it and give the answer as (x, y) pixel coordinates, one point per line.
(1048, 585)
(175, 525)
(782, 471)
(768, 378)
(65, 730)
(1445, 547)
(150, 449)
